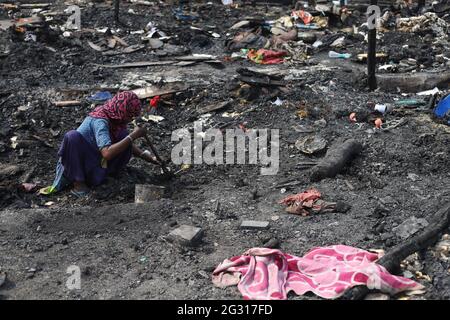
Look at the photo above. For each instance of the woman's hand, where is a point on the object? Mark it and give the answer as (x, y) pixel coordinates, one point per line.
(149, 158)
(138, 132)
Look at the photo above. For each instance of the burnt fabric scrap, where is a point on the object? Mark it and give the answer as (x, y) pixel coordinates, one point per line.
(307, 202)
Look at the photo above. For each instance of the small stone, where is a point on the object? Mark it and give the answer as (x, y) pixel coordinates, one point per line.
(321, 123)
(203, 274)
(413, 177)
(272, 243)
(275, 218)
(143, 259)
(368, 237)
(173, 223)
(252, 224)
(388, 201)
(385, 236)
(380, 211)
(410, 227)
(186, 235)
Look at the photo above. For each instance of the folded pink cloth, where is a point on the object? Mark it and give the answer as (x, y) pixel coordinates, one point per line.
(265, 274)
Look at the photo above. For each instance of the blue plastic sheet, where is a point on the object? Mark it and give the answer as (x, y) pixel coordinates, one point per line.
(442, 109)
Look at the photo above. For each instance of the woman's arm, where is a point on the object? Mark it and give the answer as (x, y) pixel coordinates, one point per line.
(117, 148)
(137, 152)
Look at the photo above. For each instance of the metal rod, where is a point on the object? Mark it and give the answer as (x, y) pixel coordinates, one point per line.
(163, 165)
(371, 55)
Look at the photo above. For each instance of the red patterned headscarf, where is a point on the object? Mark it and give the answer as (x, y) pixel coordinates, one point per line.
(119, 111)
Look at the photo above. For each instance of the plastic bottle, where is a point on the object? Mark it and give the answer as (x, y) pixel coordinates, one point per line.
(336, 55)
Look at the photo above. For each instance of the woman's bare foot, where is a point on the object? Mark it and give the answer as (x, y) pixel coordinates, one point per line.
(80, 189)
(80, 186)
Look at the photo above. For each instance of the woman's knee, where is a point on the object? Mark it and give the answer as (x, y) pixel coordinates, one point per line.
(73, 136)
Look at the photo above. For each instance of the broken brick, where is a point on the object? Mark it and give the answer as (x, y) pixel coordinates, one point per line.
(253, 224)
(186, 235)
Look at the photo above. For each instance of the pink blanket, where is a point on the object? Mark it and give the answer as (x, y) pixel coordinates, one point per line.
(264, 274)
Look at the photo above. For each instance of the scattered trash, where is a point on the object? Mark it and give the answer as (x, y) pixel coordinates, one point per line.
(264, 56)
(278, 102)
(425, 22)
(381, 108)
(442, 248)
(380, 56)
(48, 190)
(276, 67)
(153, 118)
(154, 102)
(305, 16)
(311, 145)
(429, 92)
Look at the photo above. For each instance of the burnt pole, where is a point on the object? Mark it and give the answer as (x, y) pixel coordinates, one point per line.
(116, 10)
(373, 16)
